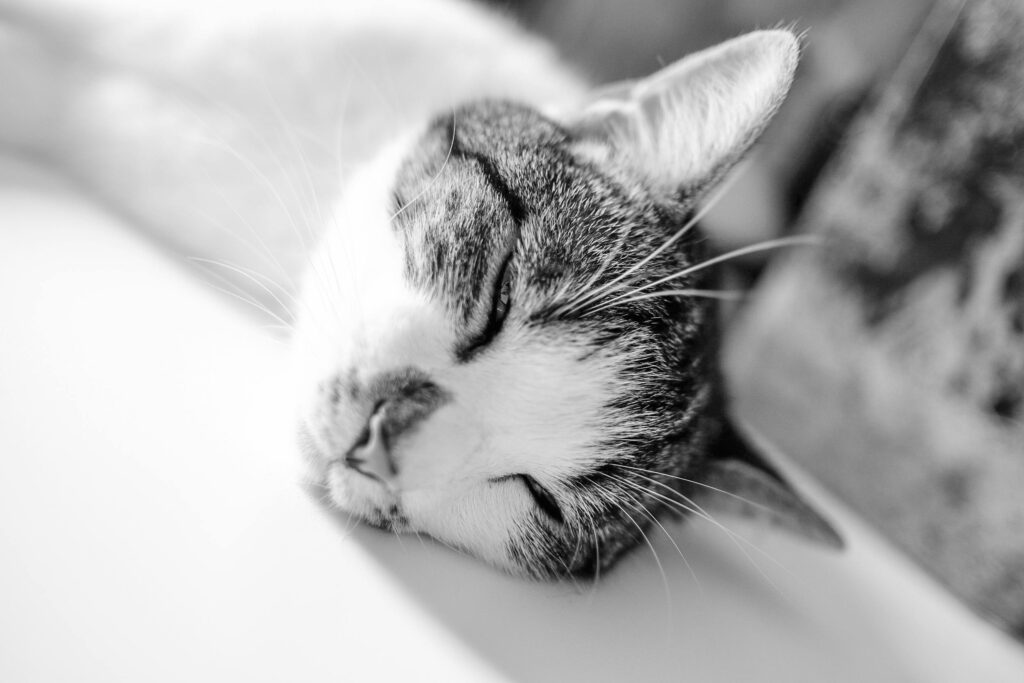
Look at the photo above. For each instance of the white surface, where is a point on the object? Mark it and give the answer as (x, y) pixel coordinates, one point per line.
(152, 527)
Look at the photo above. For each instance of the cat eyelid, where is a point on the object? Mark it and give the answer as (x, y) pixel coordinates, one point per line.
(542, 497)
(501, 298)
(500, 304)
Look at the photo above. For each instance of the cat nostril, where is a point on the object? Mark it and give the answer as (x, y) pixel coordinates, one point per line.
(370, 454)
(364, 438)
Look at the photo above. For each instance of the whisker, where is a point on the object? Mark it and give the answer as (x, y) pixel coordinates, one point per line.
(300, 197)
(604, 264)
(671, 539)
(245, 299)
(720, 295)
(716, 197)
(597, 560)
(260, 248)
(661, 569)
(302, 231)
(207, 133)
(678, 505)
(426, 188)
(401, 542)
(324, 499)
(692, 507)
(695, 483)
(798, 240)
(448, 545)
(732, 536)
(576, 550)
(303, 236)
(249, 276)
(270, 185)
(568, 574)
(657, 560)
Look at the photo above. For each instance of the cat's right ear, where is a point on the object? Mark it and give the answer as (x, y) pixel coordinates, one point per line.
(685, 126)
(743, 478)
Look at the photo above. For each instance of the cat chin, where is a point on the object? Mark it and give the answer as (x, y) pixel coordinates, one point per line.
(358, 495)
(475, 518)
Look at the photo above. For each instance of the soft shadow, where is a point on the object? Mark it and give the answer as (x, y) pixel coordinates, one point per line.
(632, 624)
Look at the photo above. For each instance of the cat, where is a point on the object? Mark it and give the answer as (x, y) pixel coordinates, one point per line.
(505, 334)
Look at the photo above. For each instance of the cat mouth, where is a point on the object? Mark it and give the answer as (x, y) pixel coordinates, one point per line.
(390, 518)
(386, 517)
(364, 497)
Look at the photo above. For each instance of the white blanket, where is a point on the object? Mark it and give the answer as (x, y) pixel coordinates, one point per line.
(152, 525)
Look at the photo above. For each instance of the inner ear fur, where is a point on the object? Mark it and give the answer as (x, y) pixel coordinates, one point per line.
(685, 126)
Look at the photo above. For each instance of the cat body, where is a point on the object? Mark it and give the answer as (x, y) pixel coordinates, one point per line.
(504, 327)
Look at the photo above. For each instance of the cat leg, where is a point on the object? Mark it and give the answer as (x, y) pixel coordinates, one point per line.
(194, 175)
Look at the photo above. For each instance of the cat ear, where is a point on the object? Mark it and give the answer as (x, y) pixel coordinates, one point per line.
(746, 484)
(685, 126)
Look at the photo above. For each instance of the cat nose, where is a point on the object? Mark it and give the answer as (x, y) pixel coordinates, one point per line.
(371, 454)
(404, 399)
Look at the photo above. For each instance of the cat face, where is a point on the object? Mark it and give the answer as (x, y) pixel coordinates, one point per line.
(501, 396)
(487, 351)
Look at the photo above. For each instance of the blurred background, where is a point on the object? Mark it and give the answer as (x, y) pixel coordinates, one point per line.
(613, 40)
(850, 46)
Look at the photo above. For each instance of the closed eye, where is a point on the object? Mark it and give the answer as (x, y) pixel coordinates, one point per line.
(542, 498)
(501, 301)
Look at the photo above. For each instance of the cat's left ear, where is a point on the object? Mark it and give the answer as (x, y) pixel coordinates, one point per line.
(685, 126)
(740, 480)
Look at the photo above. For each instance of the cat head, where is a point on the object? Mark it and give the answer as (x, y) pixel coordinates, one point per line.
(490, 353)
